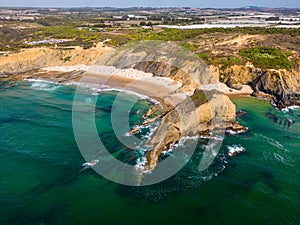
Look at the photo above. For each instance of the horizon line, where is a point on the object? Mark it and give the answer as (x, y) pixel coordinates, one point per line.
(151, 7)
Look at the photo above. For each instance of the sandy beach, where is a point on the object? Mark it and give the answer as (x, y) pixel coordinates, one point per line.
(163, 93)
(122, 73)
(163, 89)
(129, 75)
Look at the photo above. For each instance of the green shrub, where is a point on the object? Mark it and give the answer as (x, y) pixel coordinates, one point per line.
(204, 55)
(168, 35)
(267, 58)
(230, 61)
(199, 98)
(172, 34)
(190, 47)
(223, 61)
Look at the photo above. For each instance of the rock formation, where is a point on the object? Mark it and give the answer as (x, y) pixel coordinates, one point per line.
(202, 113)
(283, 86)
(36, 58)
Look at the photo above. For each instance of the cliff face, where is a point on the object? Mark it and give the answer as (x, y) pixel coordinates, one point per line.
(202, 113)
(213, 109)
(237, 75)
(283, 85)
(36, 58)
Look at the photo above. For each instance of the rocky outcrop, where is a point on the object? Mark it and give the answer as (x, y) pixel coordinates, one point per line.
(214, 110)
(283, 86)
(237, 75)
(202, 113)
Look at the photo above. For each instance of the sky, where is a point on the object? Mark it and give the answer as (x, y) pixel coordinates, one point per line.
(152, 3)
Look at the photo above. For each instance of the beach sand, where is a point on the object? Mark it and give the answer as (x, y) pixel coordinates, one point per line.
(246, 90)
(161, 92)
(162, 89)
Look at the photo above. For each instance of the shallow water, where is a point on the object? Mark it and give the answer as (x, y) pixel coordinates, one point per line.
(40, 183)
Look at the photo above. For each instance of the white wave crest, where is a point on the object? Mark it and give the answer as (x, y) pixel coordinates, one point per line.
(235, 150)
(293, 107)
(43, 85)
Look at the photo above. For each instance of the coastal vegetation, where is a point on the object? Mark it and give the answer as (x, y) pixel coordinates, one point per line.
(212, 45)
(171, 34)
(190, 47)
(267, 58)
(84, 33)
(199, 98)
(224, 62)
(80, 37)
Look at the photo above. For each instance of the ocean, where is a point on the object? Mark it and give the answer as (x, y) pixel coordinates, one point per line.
(40, 182)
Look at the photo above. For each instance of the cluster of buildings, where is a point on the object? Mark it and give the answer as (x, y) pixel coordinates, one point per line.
(131, 17)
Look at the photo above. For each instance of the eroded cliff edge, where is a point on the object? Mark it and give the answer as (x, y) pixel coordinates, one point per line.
(204, 113)
(282, 86)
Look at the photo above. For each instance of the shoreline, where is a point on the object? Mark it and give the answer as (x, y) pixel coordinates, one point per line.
(161, 93)
(146, 87)
(161, 89)
(130, 79)
(134, 75)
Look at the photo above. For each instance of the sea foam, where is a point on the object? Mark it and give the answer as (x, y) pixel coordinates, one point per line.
(43, 85)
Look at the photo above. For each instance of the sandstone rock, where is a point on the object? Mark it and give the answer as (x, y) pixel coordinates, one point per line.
(283, 85)
(36, 58)
(189, 119)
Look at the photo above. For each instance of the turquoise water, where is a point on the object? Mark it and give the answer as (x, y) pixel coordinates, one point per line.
(40, 182)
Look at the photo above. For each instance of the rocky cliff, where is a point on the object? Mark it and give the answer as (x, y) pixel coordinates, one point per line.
(282, 85)
(213, 109)
(202, 113)
(36, 58)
